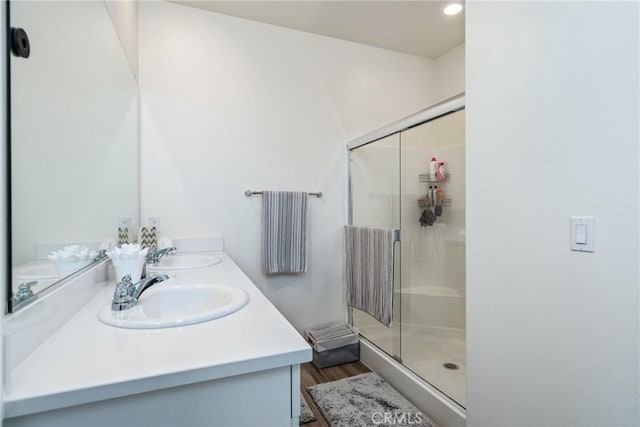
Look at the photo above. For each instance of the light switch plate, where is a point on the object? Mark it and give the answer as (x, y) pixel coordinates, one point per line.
(582, 234)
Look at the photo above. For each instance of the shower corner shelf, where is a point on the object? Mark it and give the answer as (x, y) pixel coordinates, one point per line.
(425, 177)
(423, 203)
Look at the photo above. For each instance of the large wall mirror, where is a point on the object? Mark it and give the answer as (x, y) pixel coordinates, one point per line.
(74, 140)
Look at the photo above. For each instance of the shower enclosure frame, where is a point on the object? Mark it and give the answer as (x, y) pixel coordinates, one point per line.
(400, 375)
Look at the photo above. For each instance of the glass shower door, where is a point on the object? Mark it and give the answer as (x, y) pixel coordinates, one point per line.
(375, 202)
(433, 254)
(392, 186)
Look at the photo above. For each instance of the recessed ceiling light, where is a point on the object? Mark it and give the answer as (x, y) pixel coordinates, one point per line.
(453, 9)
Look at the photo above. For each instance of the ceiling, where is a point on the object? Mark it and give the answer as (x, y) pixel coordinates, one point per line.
(413, 27)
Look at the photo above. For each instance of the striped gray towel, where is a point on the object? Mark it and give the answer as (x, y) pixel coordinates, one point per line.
(284, 231)
(369, 270)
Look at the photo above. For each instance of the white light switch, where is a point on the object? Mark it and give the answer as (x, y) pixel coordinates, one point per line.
(582, 233)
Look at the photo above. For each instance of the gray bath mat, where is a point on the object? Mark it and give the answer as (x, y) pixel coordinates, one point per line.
(306, 414)
(366, 400)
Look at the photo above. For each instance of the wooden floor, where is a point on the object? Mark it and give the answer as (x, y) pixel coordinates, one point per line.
(310, 375)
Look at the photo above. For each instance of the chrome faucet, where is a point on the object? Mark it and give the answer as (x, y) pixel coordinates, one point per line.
(24, 292)
(155, 255)
(127, 293)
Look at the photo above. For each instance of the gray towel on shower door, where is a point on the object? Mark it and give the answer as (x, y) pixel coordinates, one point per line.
(284, 231)
(369, 270)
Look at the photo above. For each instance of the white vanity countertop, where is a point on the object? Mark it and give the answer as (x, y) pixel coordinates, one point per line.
(87, 361)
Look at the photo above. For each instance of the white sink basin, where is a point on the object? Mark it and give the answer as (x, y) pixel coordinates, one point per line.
(186, 261)
(167, 305)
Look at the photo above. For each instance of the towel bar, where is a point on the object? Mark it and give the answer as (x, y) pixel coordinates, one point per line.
(250, 193)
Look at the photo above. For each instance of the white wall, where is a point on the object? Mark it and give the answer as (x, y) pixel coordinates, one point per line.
(230, 104)
(449, 71)
(124, 15)
(552, 125)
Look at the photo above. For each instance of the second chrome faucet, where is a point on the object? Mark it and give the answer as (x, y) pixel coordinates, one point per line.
(127, 293)
(155, 255)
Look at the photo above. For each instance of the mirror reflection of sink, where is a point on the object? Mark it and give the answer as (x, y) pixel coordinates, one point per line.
(186, 261)
(168, 304)
(43, 272)
(36, 270)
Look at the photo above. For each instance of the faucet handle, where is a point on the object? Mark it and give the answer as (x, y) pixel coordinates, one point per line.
(99, 254)
(125, 282)
(122, 294)
(24, 290)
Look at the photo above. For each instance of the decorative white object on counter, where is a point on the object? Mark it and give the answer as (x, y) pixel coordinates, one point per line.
(147, 237)
(71, 259)
(108, 244)
(128, 259)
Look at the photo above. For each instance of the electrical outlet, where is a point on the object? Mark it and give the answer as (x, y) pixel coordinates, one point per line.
(124, 222)
(154, 221)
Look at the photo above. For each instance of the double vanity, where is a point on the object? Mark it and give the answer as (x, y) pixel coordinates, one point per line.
(203, 347)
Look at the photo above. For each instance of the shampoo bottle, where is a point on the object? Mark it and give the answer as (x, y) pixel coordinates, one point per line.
(441, 173)
(433, 167)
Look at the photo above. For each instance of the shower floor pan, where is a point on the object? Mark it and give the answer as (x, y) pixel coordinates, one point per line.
(425, 350)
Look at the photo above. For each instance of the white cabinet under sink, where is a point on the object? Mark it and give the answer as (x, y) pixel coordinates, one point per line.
(264, 398)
